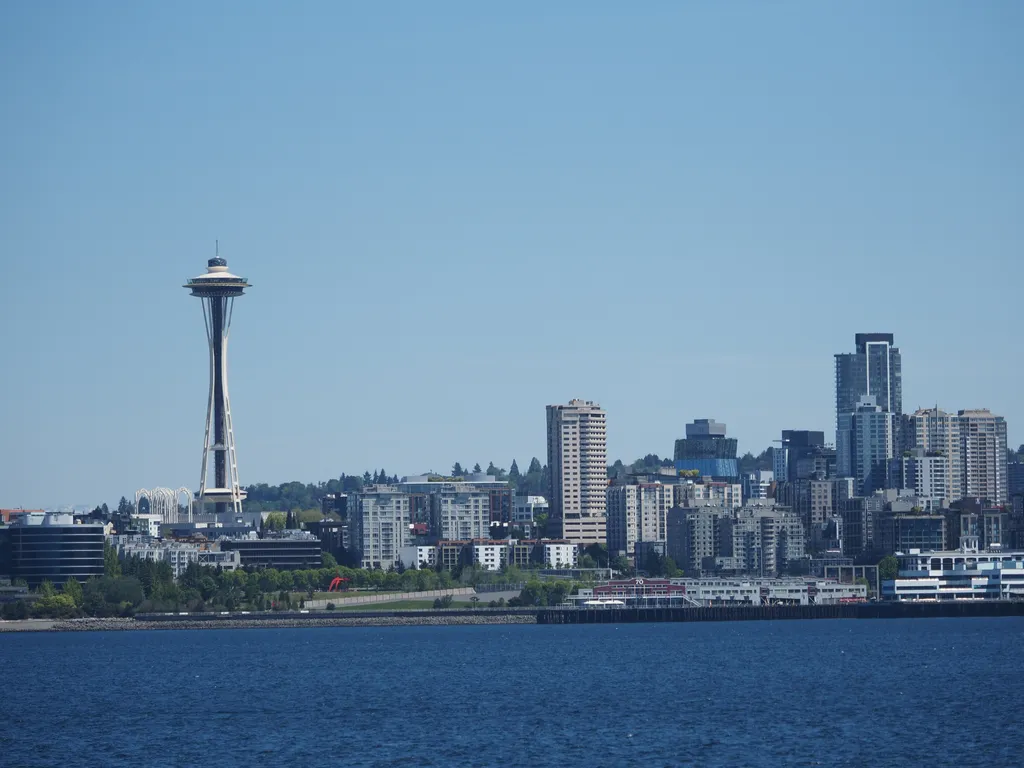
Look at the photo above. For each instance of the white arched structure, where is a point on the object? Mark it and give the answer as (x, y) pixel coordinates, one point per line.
(183, 491)
(164, 502)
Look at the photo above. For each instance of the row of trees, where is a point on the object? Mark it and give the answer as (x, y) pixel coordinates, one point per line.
(139, 585)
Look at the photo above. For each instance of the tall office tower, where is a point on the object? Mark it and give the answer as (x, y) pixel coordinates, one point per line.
(1015, 479)
(805, 454)
(983, 455)
(871, 445)
(780, 463)
(874, 369)
(578, 462)
(936, 431)
(707, 451)
(218, 290)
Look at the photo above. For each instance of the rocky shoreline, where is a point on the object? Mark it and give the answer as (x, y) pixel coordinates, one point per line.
(396, 620)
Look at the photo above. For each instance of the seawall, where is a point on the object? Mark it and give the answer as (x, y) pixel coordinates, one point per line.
(781, 612)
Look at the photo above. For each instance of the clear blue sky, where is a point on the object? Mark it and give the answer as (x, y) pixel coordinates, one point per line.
(454, 214)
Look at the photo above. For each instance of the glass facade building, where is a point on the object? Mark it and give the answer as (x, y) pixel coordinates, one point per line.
(51, 548)
(707, 451)
(875, 369)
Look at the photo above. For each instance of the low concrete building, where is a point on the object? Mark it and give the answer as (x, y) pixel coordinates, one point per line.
(418, 556)
(490, 555)
(792, 591)
(957, 575)
(526, 508)
(176, 554)
(685, 592)
(559, 554)
(148, 524)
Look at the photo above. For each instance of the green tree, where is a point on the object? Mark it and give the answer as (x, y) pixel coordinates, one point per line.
(327, 560)
(621, 564)
(888, 568)
(56, 606)
(457, 470)
(111, 566)
(46, 589)
(599, 552)
(73, 590)
(476, 468)
(275, 521)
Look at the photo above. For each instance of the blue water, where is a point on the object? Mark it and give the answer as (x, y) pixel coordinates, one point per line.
(937, 692)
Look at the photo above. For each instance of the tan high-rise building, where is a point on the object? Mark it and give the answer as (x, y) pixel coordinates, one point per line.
(936, 431)
(983, 455)
(578, 462)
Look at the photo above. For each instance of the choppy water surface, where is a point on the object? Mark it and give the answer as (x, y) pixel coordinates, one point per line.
(937, 692)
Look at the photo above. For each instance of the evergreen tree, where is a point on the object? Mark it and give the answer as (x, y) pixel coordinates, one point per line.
(513, 472)
(457, 470)
(476, 468)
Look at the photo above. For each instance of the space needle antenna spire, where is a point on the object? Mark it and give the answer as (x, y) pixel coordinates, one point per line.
(218, 289)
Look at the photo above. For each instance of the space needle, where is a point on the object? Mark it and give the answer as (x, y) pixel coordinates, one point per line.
(218, 289)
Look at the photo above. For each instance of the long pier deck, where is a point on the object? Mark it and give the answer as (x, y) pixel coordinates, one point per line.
(876, 610)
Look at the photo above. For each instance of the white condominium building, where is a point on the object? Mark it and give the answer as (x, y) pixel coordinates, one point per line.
(938, 432)
(983, 455)
(379, 524)
(578, 461)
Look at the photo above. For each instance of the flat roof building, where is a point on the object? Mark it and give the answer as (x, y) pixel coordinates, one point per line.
(292, 551)
(42, 547)
(578, 462)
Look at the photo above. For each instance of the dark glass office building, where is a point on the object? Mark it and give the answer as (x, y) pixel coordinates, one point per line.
(874, 370)
(707, 450)
(50, 547)
(284, 554)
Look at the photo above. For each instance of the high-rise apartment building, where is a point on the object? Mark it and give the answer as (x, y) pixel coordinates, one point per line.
(926, 473)
(983, 455)
(637, 513)
(759, 539)
(871, 445)
(937, 432)
(378, 518)
(875, 369)
(578, 461)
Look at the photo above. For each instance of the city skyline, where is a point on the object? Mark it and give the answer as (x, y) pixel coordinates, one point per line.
(451, 233)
